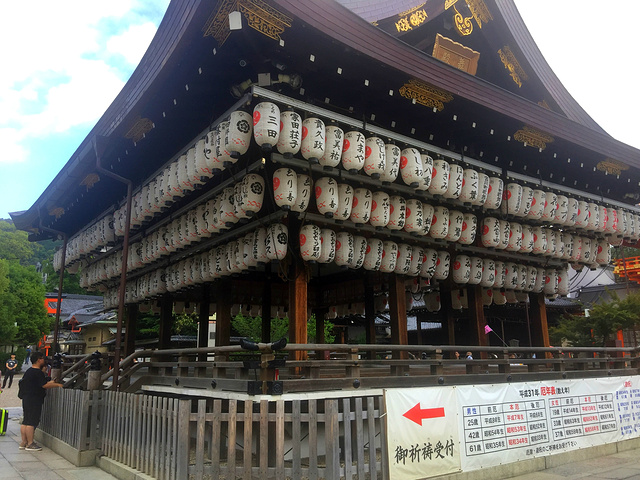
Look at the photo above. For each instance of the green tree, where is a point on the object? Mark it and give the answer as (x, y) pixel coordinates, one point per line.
(601, 324)
(251, 327)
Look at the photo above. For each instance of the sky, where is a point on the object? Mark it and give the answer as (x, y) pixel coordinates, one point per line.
(64, 62)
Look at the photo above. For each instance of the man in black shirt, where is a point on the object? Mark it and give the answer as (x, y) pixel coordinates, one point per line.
(34, 385)
(11, 366)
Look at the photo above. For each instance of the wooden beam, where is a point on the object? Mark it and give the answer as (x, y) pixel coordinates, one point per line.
(130, 328)
(203, 322)
(265, 335)
(369, 315)
(476, 317)
(166, 322)
(398, 314)
(539, 328)
(298, 307)
(445, 302)
(223, 313)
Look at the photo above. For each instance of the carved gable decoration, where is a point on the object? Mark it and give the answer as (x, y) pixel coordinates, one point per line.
(141, 127)
(456, 54)
(259, 15)
(612, 167)
(532, 137)
(479, 12)
(411, 18)
(425, 94)
(512, 65)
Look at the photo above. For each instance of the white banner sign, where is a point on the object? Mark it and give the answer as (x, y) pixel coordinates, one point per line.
(496, 424)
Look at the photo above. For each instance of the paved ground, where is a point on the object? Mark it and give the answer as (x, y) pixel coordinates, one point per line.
(619, 466)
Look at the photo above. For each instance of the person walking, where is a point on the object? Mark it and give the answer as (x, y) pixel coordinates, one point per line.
(34, 387)
(11, 365)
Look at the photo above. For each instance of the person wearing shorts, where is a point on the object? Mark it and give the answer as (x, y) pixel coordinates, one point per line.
(34, 386)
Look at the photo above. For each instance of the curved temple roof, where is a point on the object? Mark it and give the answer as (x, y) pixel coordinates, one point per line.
(349, 66)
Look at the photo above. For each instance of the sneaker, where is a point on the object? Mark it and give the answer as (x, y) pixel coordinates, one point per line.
(34, 447)
(22, 446)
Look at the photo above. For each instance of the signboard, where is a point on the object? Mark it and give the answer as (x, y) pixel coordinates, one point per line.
(486, 425)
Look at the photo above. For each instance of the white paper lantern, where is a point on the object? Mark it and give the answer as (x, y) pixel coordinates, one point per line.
(515, 237)
(439, 222)
(361, 206)
(456, 300)
(483, 189)
(550, 207)
(576, 253)
(552, 242)
(276, 241)
(427, 217)
(594, 217)
(488, 273)
(487, 297)
(469, 227)
(414, 221)
(439, 177)
(253, 193)
(527, 239)
(476, 271)
(427, 169)
(550, 282)
(266, 125)
(290, 137)
(562, 210)
(334, 139)
(494, 193)
(417, 257)
(397, 212)
(572, 211)
(527, 200)
(248, 242)
(345, 201)
(359, 251)
(432, 301)
(310, 244)
(563, 282)
(609, 219)
(313, 140)
(513, 195)
(389, 256)
(259, 250)
(622, 227)
(511, 276)
(491, 232)
(567, 242)
(411, 168)
(227, 210)
(392, 163)
(539, 240)
(403, 260)
(285, 187)
(327, 199)
(442, 265)
(603, 218)
(239, 138)
(470, 186)
(429, 263)
(380, 204)
(344, 249)
(374, 157)
(373, 254)
(222, 143)
(537, 205)
(328, 245)
(456, 177)
(455, 226)
(603, 253)
(353, 151)
(582, 217)
(499, 298)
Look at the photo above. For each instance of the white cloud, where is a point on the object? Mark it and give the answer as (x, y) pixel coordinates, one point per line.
(60, 68)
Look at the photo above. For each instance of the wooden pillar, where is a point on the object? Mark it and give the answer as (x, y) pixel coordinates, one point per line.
(539, 328)
(398, 314)
(130, 328)
(476, 314)
(266, 307)
(370, 316)
(223, 313)
(445, 302)
(298, 306)
(203, 322)
(166, 322)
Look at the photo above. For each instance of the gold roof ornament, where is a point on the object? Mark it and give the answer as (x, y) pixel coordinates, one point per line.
(612, 166)
(411, 18)
(425, 94)
(140, 128)
(90, 180)
(532, 137)
(56, 212)
(456, 54)
(260, 16)
(479, 12)
(510, 62)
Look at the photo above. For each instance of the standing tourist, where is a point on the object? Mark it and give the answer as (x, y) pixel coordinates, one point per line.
(33, 386)
(11, 366)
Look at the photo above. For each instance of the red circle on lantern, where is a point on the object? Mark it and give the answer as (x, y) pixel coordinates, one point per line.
(398, 255)
(535, 237)
(355, 202)
(256, 117)
(438, 261)
(390, 209)
(318, 192)
(508, 193)
(599, 249)
(305, 131)
(368, 249)
(367, 152)
(408, 213)
(533, 202)
(303, 239)
(489, 293)
(547, 279)
(433, 220)
(490, 188)
(281, 126)
(373, 205)
(383, 253)
(345, 145)
(338, 245)
(433, 172)
(276, 183)
(403, 162)
(456, 265)
(485, 229)
(464, 226)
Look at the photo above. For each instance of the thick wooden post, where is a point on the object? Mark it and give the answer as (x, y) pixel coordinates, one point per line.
(370, 317)
(223, 314)
(166, 321)
(539, 328)
(298, 307)
(266, 307)
(398, 314)
(130, 328)
(203, 322)
(477, 320)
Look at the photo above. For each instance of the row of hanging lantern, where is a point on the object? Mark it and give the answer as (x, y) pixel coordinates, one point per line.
(242, 200)
(260, 246)
(90, 240)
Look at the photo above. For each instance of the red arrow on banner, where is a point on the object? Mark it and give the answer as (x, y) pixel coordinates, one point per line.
(417, 414)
